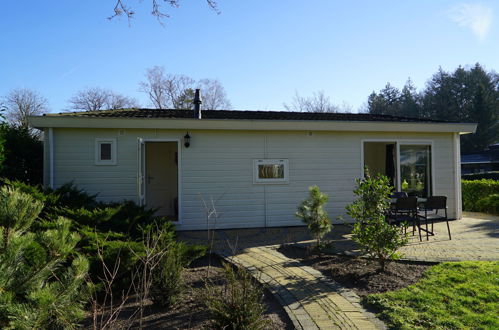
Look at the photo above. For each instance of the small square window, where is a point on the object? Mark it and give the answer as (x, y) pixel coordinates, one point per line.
(270, 171)
(105, 151)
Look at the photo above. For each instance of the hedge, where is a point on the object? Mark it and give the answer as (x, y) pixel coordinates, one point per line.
(475, 191)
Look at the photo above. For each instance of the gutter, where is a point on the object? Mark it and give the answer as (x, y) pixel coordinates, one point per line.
(254, 125)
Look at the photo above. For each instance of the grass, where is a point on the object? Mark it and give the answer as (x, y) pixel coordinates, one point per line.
(451, 295)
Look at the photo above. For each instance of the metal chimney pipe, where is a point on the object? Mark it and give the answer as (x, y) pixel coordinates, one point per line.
(197, 104)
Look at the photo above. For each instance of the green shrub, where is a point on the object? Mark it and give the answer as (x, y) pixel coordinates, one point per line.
(371, 231)
(23, 152)
(473, 191)
(489, 204)
(42, 278)
(312, 212)
(238, 305)
(167, 283)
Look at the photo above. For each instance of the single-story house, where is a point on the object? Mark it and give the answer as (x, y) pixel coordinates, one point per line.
(254, 167)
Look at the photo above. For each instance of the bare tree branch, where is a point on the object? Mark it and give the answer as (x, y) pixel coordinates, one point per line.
(22, 103)
(318, 102)
(93, 99)
(121, 8)
(213, 94)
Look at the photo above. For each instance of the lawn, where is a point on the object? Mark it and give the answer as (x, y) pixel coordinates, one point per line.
(451, 295)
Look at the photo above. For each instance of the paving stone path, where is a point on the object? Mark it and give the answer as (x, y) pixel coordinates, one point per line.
(311, 300)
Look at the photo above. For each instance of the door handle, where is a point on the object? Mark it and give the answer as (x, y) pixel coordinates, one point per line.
(149, 178)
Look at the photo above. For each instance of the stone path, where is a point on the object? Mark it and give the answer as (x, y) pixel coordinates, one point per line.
(311, 300)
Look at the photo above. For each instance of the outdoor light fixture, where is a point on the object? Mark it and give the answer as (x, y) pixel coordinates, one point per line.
(187, 140)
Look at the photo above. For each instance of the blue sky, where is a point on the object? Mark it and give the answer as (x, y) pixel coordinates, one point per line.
(262, 51)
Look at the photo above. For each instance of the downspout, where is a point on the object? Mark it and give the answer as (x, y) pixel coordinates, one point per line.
(265, 155)
(457, 164)
(51, 157)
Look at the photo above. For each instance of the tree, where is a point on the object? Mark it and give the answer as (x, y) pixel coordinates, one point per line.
(387, 102)
(22, 103)
(318, 102)
(371, 231)
(121, 8)
(176, 91)
(213, 95)
(312, 213)
(22, 155)
(93, 99)
(465, 95)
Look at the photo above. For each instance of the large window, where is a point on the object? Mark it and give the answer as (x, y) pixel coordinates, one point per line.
(407, 164)
(270, 171)
(415, 169)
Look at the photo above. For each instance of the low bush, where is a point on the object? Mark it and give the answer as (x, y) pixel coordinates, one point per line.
(239, 304)
(377, 238)
(167, 282)
(312, 213)
(42, 277)
(473, 191)
(489, 204)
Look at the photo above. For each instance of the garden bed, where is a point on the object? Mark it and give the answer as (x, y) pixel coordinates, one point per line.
(189, 311)
(360, 274)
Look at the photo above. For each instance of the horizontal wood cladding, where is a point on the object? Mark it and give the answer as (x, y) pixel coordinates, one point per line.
(218, 166)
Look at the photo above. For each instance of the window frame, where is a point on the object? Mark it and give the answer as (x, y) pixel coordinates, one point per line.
(98, 143)
(274, 161)
(398, 142)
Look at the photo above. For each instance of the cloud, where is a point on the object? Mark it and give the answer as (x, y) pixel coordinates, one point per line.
(476, 17)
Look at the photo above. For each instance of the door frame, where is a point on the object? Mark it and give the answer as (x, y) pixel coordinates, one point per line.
(398, 142)
(141, 168)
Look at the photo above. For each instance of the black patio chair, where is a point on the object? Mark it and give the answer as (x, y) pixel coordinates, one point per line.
(429, 212)
(405, 210)
(398, 194)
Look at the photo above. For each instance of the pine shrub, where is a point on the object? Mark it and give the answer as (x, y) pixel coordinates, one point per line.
(312, 213)
(42, 279)
(238, 305)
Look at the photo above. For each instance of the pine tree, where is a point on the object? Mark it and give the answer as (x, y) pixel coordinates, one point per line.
(42, 279)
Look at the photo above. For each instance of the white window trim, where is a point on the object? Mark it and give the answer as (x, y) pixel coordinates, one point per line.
(113, 160)
(257, 180)
(399, 142)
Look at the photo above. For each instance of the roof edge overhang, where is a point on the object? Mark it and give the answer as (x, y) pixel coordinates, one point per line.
(233, 124)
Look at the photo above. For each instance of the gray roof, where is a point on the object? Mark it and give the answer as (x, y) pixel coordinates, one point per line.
(241, 115)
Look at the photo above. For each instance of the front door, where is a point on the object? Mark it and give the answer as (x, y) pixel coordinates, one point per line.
(161, 178)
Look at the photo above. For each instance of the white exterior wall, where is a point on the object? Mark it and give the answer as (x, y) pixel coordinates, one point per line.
(219, 165)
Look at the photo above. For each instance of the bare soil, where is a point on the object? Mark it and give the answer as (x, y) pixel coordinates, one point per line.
(359, 274)
(189, 312)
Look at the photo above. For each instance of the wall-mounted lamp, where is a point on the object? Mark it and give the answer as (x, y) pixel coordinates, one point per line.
(187, 140)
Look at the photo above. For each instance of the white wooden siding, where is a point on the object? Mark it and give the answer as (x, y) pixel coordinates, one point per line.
(219, 165)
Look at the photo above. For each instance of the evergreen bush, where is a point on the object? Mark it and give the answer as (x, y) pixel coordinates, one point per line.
(371, 231)
(312, 213)
(42, 278)
(167, 282)
(238, 305)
